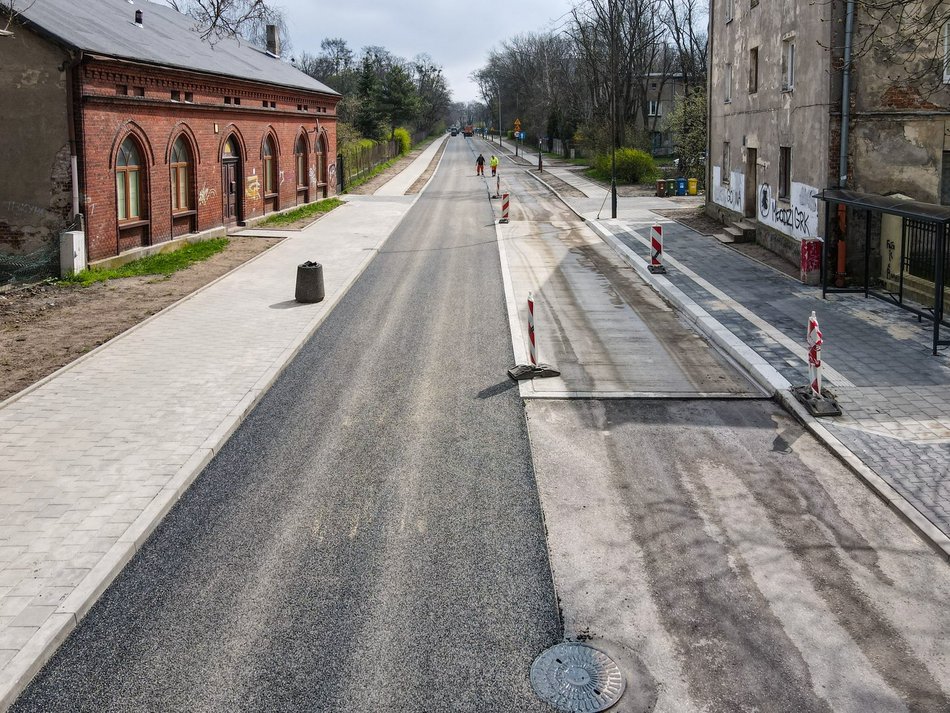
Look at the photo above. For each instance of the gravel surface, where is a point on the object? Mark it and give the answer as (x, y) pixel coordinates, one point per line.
(370, 539)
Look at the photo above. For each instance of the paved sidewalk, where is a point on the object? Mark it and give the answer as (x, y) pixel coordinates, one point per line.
(895, 429)
(97, 453)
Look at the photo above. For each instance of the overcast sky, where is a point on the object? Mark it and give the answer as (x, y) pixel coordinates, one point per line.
(457, 35)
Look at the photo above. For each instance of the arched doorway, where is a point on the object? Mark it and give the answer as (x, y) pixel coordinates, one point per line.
(232, 181)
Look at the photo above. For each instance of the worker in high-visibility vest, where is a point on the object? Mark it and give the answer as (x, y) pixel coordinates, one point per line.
(493, 162)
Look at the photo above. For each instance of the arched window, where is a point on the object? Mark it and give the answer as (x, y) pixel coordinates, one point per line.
(321, 167)
(300, 152)
(230, 149)
(270, 166)
(128, 181)
(181, 176)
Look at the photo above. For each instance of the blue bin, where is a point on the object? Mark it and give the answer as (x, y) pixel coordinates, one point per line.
(681, 186)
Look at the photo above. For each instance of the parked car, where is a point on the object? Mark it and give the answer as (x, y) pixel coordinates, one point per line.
(455, 131)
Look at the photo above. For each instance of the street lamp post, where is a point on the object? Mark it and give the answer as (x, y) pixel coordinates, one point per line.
(613, 111)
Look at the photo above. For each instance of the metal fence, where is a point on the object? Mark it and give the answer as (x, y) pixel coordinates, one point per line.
(920, 251)
(359, 162)
(355, 163)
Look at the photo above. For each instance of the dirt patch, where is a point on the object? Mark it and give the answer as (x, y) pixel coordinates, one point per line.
(563, 188)
(44, 327)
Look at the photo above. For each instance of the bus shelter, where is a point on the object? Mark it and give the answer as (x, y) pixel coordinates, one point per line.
(904, 251)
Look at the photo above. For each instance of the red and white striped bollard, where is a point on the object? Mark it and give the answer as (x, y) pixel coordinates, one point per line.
(532, 346)
(656, 250)
(504, 208)
(813, 337)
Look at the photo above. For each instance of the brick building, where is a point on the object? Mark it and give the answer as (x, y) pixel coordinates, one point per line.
(119, 111)
(776, 138)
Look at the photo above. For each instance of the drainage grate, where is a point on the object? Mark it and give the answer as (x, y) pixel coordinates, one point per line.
(577, 677)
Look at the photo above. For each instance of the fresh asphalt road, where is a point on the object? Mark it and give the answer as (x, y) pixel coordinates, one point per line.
(370, 539)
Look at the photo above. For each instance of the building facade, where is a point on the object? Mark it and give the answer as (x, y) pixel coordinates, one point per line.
(120, 113)
(775, 91)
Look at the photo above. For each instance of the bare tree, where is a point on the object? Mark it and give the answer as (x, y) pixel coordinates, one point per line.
(619, 42)
(9, 8)
(216, 19)
(905, 36)
(685, 22)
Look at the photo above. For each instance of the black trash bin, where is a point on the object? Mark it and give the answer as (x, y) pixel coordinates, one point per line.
(309, 282)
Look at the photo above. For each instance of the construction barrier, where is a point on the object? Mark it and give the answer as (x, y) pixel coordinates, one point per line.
(656, 249)
(535, 369)
(504, 208)
(532, 347)
(813, 337)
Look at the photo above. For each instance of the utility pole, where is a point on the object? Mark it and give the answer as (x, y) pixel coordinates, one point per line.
(613, 108)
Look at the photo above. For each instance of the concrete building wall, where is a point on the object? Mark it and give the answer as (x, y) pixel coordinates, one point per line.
(901, 120)
(756, 119)
(35, 185)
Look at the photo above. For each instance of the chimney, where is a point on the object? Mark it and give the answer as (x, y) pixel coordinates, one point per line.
(138, 18)
(273, 41)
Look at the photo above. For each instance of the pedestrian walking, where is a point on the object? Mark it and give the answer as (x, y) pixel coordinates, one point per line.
(494, 164)
(480, 165)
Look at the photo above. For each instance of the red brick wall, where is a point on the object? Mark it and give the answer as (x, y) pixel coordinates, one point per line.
(156, 120)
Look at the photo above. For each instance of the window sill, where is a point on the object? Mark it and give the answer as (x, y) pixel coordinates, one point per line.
(123, 224)
(788, 90)
(183, 213)
(727, 101)
(271, 195)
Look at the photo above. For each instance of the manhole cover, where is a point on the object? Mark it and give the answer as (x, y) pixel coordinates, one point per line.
(577, 677)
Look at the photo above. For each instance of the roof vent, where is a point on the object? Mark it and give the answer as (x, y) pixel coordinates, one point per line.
(138, 18)
(273, 41)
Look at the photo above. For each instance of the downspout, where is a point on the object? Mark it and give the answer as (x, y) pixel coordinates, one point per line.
(842, 247)
(71, 123)
(846, 96)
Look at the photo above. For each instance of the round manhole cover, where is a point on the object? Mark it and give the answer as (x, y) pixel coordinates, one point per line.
(577, 677)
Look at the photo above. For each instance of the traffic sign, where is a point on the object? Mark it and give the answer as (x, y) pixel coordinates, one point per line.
(517, 125)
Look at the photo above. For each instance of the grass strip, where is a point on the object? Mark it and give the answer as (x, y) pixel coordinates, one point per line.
(161, 264)
(305, 211)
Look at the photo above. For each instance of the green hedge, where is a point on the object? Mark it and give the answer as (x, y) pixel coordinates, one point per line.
(405, 142)
(633, 166)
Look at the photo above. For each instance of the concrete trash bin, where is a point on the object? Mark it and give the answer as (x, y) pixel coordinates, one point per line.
(661, 188)
(309, 282)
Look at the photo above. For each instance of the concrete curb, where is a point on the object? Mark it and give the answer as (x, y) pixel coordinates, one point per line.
(20, 670)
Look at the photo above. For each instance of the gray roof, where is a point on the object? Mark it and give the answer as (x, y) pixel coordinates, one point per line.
(166, 38)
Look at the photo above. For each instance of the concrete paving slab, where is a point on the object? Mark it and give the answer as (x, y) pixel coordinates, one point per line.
(595, 320)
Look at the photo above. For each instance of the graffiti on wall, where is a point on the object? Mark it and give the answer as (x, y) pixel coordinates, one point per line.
(332, 175)
(253, 189)
(205, 194)
(730, 195)
(796, 216)
(313, 176)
